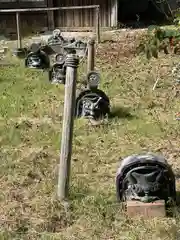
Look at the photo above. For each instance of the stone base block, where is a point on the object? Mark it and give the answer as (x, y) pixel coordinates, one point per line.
(146, 210)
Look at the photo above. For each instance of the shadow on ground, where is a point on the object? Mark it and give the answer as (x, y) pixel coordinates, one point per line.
(121, 112)
(178, 198)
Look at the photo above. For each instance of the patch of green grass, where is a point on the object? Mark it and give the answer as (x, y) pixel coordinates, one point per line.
(30, 132)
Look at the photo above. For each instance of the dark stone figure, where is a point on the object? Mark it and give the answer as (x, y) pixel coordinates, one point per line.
(57, 38)
(145, 178)
(57, 73)
(92, 102)
(37, 58)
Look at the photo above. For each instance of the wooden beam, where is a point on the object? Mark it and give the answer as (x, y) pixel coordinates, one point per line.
(47, 9)
(114, 13)
(50, 15)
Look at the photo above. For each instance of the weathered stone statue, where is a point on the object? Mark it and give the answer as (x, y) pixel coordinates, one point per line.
(37, 58)
(145, 178)
(57, 73)
(57, 38)
(92, 102)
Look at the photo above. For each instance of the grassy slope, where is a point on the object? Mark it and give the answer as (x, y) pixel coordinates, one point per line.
(30, 130)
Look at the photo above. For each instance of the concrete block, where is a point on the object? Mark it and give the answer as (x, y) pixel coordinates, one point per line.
(146, 210)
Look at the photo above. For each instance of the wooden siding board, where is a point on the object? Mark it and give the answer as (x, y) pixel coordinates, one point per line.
(114, 13)
(29, 21)
(77, 19)
(22, 4)
(83, 17)
(50, 15)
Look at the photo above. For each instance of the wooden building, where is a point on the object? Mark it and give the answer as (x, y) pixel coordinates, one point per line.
(69, 19)
(111, 12)
(29, 21)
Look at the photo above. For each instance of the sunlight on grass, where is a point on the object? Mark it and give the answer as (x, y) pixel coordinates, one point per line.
(30, 132)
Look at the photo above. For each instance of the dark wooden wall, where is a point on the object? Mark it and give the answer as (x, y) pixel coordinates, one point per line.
(36, 21)
(65, 19)
(84, 18)
(7, 4)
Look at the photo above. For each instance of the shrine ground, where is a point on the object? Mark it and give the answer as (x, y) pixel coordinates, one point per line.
(30, 129)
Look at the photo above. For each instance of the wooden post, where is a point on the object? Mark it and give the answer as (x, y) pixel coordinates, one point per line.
(72, 62)
(98, 25)
(91, 55)
(19, 43)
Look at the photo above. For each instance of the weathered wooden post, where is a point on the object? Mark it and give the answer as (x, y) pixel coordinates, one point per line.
(98, 25)
(72, 62)
(19, 42)
(91, 55)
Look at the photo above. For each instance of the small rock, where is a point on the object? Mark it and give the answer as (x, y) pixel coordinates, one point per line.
(4, 50)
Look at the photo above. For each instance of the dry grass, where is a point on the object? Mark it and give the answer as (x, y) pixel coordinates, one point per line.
(30, 131)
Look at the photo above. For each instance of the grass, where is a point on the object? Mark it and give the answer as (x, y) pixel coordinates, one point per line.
(30, 130)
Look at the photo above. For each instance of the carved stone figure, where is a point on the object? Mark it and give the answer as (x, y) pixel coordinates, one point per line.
(145, 178)
(57, 73)
(92, 102)
(37, 58)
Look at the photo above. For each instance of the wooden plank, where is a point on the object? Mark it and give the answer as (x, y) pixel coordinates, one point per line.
(146, 210)
(91, 23)
(114, 13)
(81, 15)
(51, 25)
(86, 16)
(17, 4)
(47, 9)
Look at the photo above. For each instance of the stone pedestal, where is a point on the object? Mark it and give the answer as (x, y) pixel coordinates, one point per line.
(146, 210)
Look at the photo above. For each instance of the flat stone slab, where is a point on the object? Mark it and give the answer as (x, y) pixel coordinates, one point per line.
(146, 210)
